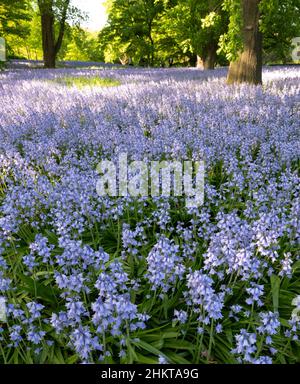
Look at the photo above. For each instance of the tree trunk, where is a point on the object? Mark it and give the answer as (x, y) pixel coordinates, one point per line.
(248, 67)
(209, 57)
(192, 60)
(62, 26)
(47, 20)
(50, 47)
(151, 56)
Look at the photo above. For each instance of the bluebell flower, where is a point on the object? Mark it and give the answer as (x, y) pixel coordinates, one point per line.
(180, 316)
(15, 334)
(165, 265)
(162, 360)
(255, 292)
(84, 343)
(201, 293)
(35, 335)
(245, 345)
(269, 323)
(76, 310)
(262, 360)
(30, 262)
(34, 309)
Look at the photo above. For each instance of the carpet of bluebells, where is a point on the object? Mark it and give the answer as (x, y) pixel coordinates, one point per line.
(90, 279)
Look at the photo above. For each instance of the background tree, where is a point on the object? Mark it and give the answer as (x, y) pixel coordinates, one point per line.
(81, 45)
(197, 26)
(157, 33)
(248, 66)
(50, 45)
(280, 24)
(33, 42)
(131, 28)
(54, 13)
(162, 31)
(258, 26)
(14, 22)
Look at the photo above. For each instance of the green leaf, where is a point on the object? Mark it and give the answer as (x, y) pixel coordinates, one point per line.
(179, 344)
(275, 287)
(58, 357)
(72, 359)
(177, 359)
(131, 352)
(296, 266)
(147, 347)
(141, 359)
(39, 290)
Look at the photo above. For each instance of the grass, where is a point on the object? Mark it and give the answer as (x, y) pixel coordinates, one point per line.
(88, 81)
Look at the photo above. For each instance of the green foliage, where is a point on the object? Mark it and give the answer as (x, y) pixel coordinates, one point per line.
(12, 17)
(56, 7)
(150, 32)
(277, 39)
(77, 43)
(198, 24)
(32, 45)
(14, 22)
(274, 14)
(231, 43)
(130, 31)
(80, 45)
(153, 31)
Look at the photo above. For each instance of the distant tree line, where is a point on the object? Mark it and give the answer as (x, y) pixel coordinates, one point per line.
(245, 33)
(206, 33)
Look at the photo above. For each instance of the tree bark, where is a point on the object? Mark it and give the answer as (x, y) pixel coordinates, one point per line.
(62, 25)
(50, 47)
(209, 57)
(151, 55)
(248, 67)
(47, 20)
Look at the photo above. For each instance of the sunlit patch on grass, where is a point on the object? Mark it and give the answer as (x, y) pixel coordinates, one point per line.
(83, 81)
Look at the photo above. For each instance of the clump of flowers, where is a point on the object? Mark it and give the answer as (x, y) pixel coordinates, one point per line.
(165, 265)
